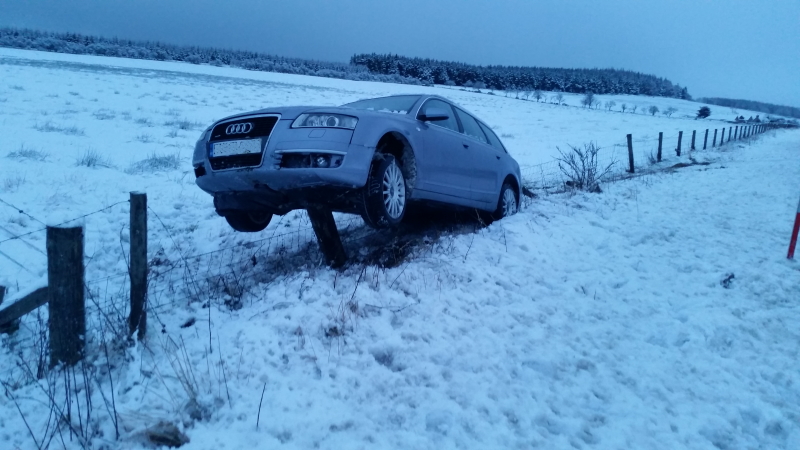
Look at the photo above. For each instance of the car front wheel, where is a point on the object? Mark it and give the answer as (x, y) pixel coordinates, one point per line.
(508, 203)
(385, 198)
(248, 222)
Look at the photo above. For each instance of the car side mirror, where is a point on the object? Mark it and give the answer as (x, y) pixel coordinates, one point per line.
(433, 115)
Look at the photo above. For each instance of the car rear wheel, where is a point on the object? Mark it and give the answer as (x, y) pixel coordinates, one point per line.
(385, 196)
(248, 222)
(508, 204)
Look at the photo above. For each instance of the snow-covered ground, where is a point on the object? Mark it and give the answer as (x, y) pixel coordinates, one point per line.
(585, 321)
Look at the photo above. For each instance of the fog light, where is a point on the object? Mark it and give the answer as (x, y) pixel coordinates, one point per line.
(336, 161)
(322, 161)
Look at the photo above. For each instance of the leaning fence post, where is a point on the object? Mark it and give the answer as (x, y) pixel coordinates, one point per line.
(660, 142)
(705, 140)
(694, 134)
(630, 153)
(722, 137)
(138, 270)
(714, 143)
(65, 277)
(680, 138)
(327, 235)
(729, 133)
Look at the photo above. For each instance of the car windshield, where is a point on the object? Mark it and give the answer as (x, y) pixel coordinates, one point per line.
(400, 104)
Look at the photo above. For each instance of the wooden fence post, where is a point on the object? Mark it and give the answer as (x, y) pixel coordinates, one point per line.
(694, 134)
(722, 137)
(138, 270)
(729, 133)
(660, 142)
(714, 143)
(736, 133)
(705, 140)
(2, 294)
(630, 153)
(680, 138)
(327, 235)
(65, 287)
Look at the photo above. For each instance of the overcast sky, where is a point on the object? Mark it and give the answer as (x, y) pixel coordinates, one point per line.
(717, 48)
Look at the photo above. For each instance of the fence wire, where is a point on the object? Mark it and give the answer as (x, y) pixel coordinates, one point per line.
(230, 275)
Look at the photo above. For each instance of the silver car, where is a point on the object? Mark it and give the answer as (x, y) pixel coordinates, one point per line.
(372, 157)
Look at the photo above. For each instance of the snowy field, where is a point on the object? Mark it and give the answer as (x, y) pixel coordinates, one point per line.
(585, 321)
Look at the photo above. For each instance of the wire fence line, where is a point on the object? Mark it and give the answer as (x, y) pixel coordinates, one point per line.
(228, 274)
(553, 176)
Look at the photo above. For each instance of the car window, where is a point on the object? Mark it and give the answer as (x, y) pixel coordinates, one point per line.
(471, 127)
(450, 123)
(493, 139)
(400, 104)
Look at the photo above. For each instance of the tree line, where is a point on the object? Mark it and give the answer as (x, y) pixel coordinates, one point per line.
(769, 108)
(580, 81)
(365, 67)
(80, 44)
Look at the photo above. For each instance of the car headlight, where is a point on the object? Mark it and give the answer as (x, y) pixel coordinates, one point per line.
(325, 120)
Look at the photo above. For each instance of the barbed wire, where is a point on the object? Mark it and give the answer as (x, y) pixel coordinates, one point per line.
(64, 222)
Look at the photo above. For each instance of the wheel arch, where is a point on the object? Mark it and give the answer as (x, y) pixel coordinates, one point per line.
(396, 144)
(510, 178)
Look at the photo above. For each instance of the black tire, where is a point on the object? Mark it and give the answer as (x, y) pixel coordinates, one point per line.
(248, 222)
(386, 193)
(508, 203)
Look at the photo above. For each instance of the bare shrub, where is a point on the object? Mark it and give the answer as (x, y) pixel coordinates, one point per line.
(144, 138)
(49, 127)
(588, 99)
(580, 166)
(156, 163)
(183, 124)
(12, 183)
(104, 114)
(144, 121)
(29, 153)
(91, 158)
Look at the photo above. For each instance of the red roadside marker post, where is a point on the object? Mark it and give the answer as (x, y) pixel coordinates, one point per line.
(795, 232)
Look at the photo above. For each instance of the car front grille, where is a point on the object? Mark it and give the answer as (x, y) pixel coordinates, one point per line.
(256, 127)
(261, 127)
(231, 162)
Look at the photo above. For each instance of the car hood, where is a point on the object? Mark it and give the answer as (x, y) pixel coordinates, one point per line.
(291, 112)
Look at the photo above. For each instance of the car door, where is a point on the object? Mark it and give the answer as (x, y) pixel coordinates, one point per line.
(483, 160)
(444, 165)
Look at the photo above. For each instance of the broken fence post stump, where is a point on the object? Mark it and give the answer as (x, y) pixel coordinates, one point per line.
(327, 235)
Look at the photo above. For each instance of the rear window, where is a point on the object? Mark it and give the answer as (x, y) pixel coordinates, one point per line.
(400, 104)
(493, 139)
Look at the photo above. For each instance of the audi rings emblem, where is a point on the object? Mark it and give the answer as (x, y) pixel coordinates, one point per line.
(239, 128)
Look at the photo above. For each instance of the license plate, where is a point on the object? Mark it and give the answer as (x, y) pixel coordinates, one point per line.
(229, 148)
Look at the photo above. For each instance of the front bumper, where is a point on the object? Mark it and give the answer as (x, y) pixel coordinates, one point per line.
(267, 183)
